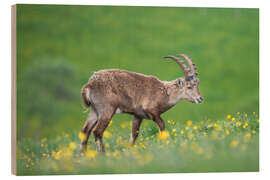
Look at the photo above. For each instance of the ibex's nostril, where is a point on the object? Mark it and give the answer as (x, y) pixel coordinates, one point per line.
(201, 98)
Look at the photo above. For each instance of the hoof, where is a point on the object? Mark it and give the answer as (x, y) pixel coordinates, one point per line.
(83, 148)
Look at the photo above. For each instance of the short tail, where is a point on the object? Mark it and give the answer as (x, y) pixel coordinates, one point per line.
(86, 96)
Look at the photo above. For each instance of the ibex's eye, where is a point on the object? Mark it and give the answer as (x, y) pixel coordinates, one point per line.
(180, 82)
(189, 87)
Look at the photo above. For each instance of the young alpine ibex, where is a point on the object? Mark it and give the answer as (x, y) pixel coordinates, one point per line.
(145, 97)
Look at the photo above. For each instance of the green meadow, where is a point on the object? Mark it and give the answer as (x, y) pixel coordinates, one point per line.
(59, 47)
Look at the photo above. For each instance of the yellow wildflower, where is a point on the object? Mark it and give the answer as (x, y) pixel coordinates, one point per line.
(233, 118)
(246, 123)
(245, 115)
(233, 143)
(215, 124)
(53, 153)
(142, 145)
(229, 116)
(110, 123)
(107, 134)
(163, 135)
(244, 126)
(175, 135)
(82, 136)
(227, 132)
(91, 154)
(189, 122)
(72, 145)
(182, 132)
(195, 128)
(174, 130)
(57, 154)
(187, 128)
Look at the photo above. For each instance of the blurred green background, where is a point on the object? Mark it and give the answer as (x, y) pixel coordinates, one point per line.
(59, 47)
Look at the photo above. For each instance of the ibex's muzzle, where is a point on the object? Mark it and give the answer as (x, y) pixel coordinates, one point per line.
(199, 100)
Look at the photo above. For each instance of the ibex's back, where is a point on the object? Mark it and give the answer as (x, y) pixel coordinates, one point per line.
(146, 97)
(128, 92)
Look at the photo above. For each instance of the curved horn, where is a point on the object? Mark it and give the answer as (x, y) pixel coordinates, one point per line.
(190, 63)
(181, 64)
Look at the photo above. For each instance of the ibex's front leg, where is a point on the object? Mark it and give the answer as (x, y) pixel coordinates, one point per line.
(136, 123)
(159, 121)
(87, 128)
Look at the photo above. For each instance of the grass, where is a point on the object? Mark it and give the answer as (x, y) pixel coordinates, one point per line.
(64, 45)
(226, 145)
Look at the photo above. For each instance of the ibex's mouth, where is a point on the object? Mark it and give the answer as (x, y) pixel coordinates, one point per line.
(198, 101)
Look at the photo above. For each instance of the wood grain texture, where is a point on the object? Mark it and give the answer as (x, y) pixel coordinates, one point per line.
(13, 90)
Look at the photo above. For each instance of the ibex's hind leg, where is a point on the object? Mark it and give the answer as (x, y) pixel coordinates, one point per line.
(136, 123)
(159, 121)
(87, 128)
(103, 122)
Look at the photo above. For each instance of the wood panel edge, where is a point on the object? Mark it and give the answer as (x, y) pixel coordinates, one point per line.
(13, 91)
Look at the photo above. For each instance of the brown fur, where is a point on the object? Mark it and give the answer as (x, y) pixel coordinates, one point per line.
(146, 97)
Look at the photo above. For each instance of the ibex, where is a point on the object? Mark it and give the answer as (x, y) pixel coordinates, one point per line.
(145, 97)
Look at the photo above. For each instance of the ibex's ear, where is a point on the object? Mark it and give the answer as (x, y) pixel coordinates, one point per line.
(180, 83)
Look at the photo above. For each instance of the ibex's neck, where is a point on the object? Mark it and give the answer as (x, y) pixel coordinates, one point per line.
(174, 92)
